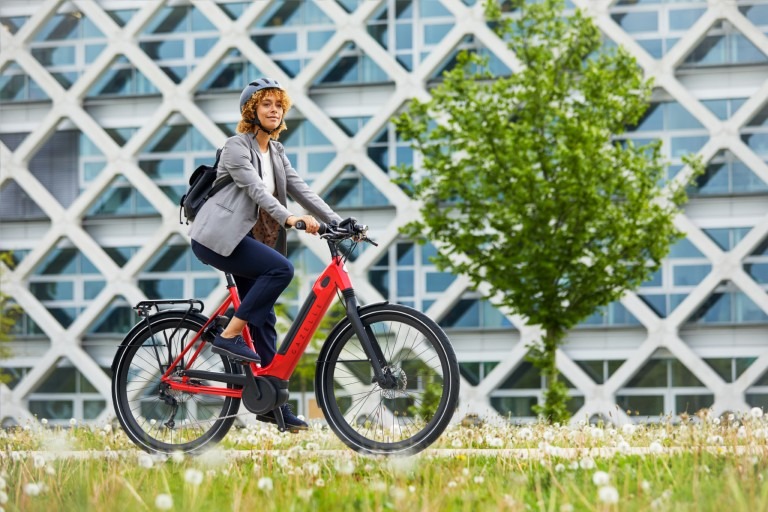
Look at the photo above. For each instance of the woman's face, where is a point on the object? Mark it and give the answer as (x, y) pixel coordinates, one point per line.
(270, 111)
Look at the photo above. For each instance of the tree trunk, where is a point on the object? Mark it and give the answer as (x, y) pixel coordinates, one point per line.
(555, 406)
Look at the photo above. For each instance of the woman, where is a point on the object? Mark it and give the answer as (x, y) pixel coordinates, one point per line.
(241, 229)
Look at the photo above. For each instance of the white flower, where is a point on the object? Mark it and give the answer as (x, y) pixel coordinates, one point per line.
(145, 461)
(44, 421)
(451, 484)
(525, 434)
(601, 478)
(608, 495)
(164, 501)
(320, 482)
(756, 413)
(559, 467)
(628, 429)
(587, 463)
(655, 447)
(479, 479)
(193, 476)
(623, 447)
(345, 467)
(73, 422)
(32, 489)
(265, 484)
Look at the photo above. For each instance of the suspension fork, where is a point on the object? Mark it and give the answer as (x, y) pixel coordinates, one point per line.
(367, 339)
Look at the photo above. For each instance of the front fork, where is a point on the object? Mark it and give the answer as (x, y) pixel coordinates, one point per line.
(371, 347)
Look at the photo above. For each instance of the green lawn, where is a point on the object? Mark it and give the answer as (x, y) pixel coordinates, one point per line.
(701, 464)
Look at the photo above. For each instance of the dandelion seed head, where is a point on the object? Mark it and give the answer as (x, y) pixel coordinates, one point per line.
(145, 461)
(608, 494)
(628, 429)
(655, 447)
(38, 461)
(452, 484)
(566, 507)
(177, 457)
(305, 494)
(645, 485)
(601, 478)
(265, 484)
(479, 479)
(193, 476)
(44, 421)
(319, 482)
(345, 467)
(32, 489)
(73, 422)
(756, 413)
(49, 470)
(587, 463)
(163, 502)
(559, 467)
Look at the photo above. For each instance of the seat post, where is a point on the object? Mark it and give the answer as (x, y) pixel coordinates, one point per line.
(230, 280)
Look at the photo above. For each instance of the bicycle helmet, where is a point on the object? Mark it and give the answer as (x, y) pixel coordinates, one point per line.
(256, 86)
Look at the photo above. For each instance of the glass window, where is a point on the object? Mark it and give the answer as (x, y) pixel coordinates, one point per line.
(642, 21)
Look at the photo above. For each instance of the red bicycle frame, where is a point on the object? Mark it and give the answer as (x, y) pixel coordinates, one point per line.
(334, 277)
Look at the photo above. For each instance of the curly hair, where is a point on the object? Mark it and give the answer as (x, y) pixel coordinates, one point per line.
(249, 111)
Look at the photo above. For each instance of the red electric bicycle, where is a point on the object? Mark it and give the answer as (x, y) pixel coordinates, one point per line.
(387, 378)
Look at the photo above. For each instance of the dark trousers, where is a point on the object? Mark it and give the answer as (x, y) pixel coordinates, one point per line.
(261, 275)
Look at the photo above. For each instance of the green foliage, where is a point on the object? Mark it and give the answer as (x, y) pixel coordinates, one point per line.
(430, 400)
(525, 183)
(9, 315)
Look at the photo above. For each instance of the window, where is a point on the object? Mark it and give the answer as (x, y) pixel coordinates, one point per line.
(663, 386)
(406, 275)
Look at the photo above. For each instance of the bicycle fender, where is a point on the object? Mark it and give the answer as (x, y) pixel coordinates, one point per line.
(136, 329)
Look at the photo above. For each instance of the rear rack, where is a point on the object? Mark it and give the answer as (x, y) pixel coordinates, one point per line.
(145, 307)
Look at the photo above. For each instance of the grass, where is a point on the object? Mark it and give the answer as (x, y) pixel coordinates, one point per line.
(704, 463)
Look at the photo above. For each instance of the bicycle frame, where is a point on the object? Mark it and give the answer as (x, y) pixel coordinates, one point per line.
(333, 278)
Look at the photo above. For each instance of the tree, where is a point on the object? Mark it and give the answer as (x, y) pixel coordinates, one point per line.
(525, 183)
(9, 315)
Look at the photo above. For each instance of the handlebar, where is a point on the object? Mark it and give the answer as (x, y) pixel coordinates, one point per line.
(348, 228)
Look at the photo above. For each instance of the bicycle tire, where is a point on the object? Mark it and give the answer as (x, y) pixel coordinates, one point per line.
(400, 421)
(144, 415)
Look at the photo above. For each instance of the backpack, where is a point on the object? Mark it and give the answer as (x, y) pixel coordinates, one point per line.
(201, 187)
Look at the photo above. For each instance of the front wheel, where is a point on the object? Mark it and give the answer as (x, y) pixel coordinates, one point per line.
(411, 412)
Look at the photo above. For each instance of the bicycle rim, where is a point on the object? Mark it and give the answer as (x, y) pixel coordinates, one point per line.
(156, 417)
(408, 416)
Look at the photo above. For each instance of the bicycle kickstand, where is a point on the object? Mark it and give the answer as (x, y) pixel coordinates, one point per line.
(279, 419)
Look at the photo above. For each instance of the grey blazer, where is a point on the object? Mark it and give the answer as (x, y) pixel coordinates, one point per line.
(228, 216)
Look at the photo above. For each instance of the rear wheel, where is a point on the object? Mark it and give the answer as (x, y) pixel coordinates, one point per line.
(414, 408)
(155, 417)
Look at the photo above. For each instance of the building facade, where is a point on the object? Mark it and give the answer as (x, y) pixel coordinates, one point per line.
(106, 106)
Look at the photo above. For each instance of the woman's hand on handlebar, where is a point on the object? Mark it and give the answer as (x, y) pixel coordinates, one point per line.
(309, 223)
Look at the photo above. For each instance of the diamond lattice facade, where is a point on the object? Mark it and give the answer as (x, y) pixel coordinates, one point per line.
(106, 106)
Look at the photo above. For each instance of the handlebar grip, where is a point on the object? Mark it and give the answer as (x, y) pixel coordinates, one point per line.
(300, 224)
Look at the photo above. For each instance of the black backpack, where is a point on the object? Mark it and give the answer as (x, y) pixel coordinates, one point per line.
(201, 188)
